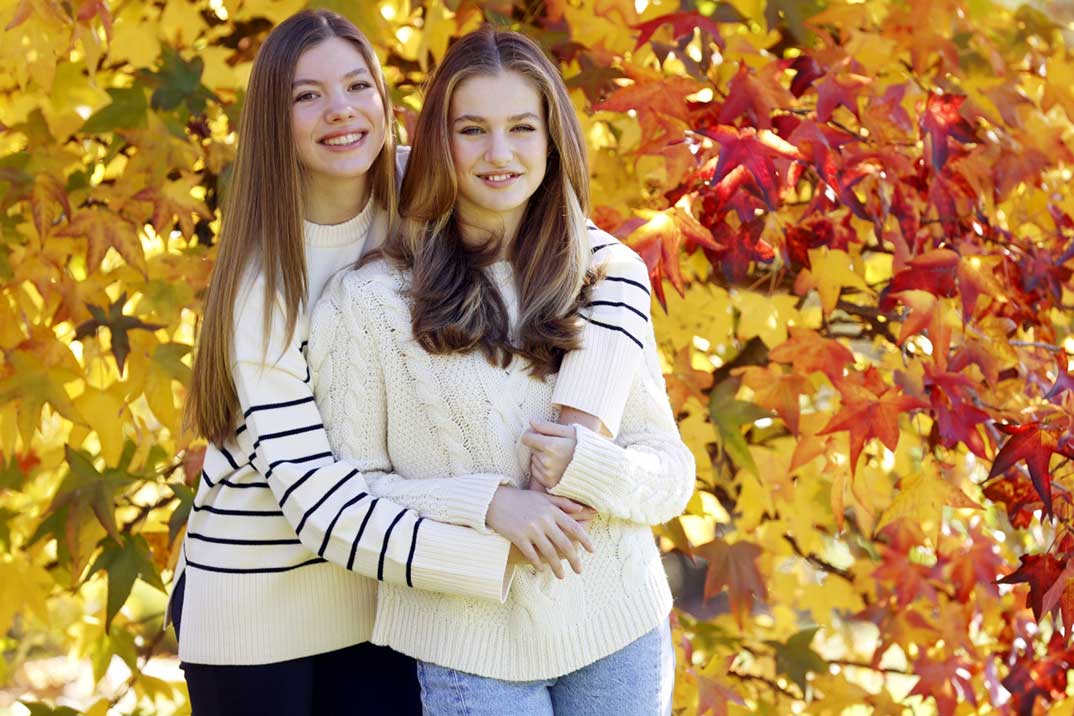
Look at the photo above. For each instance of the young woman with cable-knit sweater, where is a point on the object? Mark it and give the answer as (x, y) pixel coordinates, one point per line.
(439, 361)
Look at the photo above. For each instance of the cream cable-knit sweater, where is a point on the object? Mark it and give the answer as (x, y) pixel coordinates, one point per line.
(265, 583)
(419, 425)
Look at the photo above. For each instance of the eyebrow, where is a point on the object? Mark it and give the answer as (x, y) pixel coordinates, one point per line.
(352, 73)
(482, 120)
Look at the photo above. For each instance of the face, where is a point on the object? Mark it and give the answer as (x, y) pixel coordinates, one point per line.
(337, 114)
(499, 146)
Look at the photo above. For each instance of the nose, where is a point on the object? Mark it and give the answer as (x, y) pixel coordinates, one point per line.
(340, 109)
(499, 148)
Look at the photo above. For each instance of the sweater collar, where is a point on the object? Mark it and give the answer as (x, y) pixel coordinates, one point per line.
(328, 236)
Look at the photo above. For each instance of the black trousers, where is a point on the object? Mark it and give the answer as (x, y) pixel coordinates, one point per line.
(361, 680)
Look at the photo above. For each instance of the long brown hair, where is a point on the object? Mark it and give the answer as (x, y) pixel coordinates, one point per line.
(262, 216)
(455, 306)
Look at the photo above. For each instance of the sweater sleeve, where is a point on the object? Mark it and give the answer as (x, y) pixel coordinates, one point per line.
(328, 502)
(355, 405)
(647, 474)
(596, 377)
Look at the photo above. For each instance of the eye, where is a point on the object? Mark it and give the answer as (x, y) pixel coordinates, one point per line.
(305, 96)
(471, 131)
(523, 128)
(361, 85)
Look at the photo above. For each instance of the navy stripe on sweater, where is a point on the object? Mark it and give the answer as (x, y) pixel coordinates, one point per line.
(410, 555)
(384, 544)
(616, 328)
(324, 497)
(331, 526)
(228, 540)
(620, 304)
(275, 406)
(630, 281)
(361, 531)
(254, 570)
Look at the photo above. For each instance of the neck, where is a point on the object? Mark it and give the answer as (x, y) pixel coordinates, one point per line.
(477, 226)
(334, 201)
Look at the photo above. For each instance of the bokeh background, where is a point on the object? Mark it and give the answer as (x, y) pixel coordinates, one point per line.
(857, 220)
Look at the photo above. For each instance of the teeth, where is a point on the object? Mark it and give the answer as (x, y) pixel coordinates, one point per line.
(498, 177)
(344, 139)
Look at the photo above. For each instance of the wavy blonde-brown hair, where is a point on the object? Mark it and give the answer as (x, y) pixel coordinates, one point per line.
(455, 306)
(262, 215)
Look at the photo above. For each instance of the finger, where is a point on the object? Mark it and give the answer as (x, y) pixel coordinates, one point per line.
(578, 533)
(530, 554)
(567, 505)
(549, 553)
(564, 544)
(537, 442)
(549, 428)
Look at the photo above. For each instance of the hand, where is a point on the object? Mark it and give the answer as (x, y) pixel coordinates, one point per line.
(582, 513)
(553, 448)
(540, 526)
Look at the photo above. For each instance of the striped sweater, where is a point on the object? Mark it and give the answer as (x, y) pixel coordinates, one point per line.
(283, 539)
(424, 427)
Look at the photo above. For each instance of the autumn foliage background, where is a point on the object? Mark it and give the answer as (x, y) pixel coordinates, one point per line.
(858, 226)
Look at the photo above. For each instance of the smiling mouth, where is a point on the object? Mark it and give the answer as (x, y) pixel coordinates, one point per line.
(500, 178)
(344, 140)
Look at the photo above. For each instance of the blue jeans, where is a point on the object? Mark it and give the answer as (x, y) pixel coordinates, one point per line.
(637, 680)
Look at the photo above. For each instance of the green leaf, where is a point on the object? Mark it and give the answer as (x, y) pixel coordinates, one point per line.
(126, 111)
(796, 658)
(124, 562)
(178, 82)
(729, 415)
(182, 512)
(119, 323)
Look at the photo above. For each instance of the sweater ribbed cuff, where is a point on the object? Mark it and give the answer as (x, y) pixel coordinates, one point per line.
(596, 378)
(466, 498)
(593, 471)
(456, 560)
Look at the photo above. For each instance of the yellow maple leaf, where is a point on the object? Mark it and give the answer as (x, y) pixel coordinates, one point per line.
(832, 271)
(766, 317)
(922, 497)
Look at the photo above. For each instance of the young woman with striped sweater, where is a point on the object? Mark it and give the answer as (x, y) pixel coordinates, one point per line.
(439, 361)
(275, 588)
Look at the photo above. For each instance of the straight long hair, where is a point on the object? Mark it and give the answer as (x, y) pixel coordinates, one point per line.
(262, 214)
(455, 307)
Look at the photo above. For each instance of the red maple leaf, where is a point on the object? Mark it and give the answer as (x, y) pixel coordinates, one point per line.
(867, 413)
(682, 23)
(933, 271)
(808, 352)
(740, 248)
(1017, 494)
(1046, 678)
(1040, 572)
(756, 151)
(734, 567)
(1064, 380)
(807, 70)
(840, 91)
(756, 95)
(659, 242)
(957, 418)
(975, 566)
(1034, 444)
(947, 681)
(942, 121)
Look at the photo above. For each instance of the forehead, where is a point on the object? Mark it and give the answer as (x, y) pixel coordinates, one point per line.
(493, 96)
(329, 60)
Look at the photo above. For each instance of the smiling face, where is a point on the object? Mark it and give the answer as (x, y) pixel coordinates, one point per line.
(337, 115)
(499, 146)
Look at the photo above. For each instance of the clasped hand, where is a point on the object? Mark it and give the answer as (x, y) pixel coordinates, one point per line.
(543, 529)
